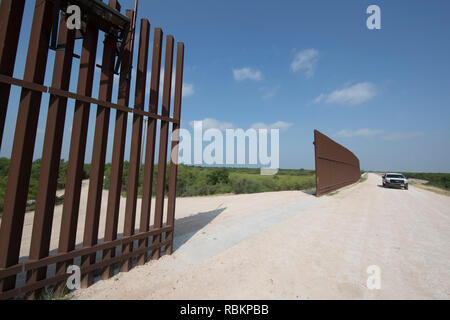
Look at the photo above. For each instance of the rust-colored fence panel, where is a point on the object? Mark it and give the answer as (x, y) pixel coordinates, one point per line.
(136, 140)
(24, 141)
(95, 255)
(46, 197)
(164, 136)
(11, 13)
(147, 186)
(336, 166)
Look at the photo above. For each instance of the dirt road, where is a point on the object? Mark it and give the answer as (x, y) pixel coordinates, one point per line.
(291, 245)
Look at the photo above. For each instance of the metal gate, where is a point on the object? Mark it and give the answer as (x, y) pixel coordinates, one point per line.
(336, 166)
(32, 89)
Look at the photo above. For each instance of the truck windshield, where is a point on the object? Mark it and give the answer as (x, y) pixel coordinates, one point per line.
(395, 176)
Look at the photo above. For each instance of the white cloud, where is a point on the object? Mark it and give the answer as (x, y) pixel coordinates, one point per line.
(353, 95)
(269, 92)
(305, 60)
(319, 98)
(188, 89)
(403, 135)
(281, 125)
(210, 123)
(247, 74)
(365, 132)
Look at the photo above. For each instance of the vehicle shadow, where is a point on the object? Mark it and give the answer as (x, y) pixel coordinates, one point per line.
(390, 188)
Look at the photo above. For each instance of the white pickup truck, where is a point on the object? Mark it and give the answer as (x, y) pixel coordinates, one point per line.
(396, 180)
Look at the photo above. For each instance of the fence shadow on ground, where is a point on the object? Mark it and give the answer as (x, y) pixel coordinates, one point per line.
(187, 227)
(311, 192)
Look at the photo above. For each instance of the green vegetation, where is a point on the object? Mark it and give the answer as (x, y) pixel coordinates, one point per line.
(35, 172)
(364, 177)
(192, 181)
(439, 180)
(201, 181)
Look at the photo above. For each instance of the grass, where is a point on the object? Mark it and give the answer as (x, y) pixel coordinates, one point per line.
(49, 294)
(433, 189)
(254, 183)
(363, 178)
(201, 181)
(438, 180)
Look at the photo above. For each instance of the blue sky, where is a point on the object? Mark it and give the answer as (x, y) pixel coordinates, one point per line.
(305, 65)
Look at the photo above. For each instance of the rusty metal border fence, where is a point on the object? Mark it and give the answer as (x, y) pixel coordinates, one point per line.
(32, 85)
(336, 166)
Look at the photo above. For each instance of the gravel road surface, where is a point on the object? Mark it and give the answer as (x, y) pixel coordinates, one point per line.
(291, 245)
